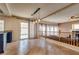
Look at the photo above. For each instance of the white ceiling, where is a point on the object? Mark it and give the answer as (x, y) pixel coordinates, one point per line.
(4, 9)
(26, 9)
(64, 16)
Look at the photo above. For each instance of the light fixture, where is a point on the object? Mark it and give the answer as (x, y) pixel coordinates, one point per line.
(39, 20)
(33, 22)
(37, 13)
(36, 21)
(74, 17)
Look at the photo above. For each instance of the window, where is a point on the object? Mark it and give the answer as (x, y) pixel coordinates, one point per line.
(24, 30)
(48, 30)
(43, 29)
(56, 30)
(51, 29)
(40, 29)
(75, 26)
(1, 25)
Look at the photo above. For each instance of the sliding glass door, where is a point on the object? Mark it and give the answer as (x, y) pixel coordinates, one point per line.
(24, 41)
(24, 30)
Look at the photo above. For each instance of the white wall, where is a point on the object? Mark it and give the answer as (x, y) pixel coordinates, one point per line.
(13, 24)
(66, 27)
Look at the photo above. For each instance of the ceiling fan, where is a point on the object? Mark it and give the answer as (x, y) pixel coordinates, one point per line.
(37, 13)
(74, 17)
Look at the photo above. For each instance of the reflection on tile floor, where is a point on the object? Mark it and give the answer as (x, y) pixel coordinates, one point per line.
(37, 47)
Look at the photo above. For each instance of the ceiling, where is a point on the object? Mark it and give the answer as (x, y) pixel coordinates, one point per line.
(64, 15)
(26, 9)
